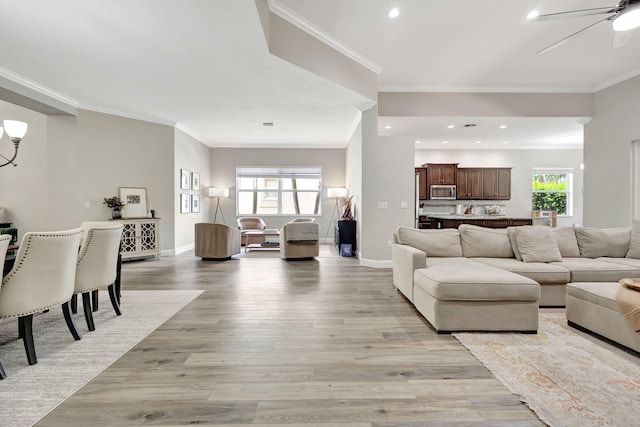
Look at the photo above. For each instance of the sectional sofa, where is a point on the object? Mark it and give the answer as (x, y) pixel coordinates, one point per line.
(484, 279)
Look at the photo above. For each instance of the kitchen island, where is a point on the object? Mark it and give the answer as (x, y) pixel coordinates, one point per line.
(491, 221)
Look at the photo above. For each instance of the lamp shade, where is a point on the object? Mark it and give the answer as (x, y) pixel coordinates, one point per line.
(627, 20)
(218, 192)
(15, 129)
(336, 192)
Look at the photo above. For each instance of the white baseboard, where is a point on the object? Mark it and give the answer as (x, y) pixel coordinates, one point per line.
(183, 249)
(375, 263)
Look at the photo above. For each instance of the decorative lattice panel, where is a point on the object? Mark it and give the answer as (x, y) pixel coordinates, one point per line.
(148, 241)
(129, 238)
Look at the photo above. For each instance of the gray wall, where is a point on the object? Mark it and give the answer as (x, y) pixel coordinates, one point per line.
(387, 177)
(223, 174)
(607, 155)
(354, 180)
(193, 156)
(67, 161)
(522, 162)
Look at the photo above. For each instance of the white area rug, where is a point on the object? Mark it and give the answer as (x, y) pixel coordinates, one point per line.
(65, 365)
(567, 377)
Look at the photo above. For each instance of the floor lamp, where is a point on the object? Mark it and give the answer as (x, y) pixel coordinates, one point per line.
(217, 193)
(336, 193)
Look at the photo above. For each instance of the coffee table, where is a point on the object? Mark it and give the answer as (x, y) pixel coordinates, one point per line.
(252, 236)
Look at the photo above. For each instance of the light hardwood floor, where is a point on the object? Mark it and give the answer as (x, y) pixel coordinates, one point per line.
(299, 343)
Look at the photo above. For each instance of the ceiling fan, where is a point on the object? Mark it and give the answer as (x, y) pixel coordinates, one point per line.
(624, 16)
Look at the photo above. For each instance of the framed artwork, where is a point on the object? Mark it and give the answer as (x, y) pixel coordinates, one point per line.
(135, 202)
(185, 203)
(195, 181)
(184, 179)
(195, 203)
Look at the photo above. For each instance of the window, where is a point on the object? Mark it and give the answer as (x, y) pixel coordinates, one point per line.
(551, 189)
(278, 191)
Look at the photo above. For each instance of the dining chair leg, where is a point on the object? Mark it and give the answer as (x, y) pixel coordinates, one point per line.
(94, 300)
(3, 374)
(86, 306)
(71, 324)
(25, 324)
(118, 277)
(74, 303)
(114, 299)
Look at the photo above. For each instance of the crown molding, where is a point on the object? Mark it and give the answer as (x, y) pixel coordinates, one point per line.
(22, 82)
(189, 132)
(617, 80)
(293, 18)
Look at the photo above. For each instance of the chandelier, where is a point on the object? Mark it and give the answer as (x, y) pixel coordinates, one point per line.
(15, 131)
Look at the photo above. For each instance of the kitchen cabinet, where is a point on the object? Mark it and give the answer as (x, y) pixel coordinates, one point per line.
(441, 173)
(469, 183)
(422, 183)
(498, 222)
(496, 183)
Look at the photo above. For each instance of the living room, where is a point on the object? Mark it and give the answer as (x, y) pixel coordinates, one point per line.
(78, 151)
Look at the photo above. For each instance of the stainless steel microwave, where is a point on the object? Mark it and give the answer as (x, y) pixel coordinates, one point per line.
(442, 192)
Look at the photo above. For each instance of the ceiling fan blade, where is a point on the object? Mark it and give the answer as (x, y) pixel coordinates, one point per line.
(574, 35)
(620, 38)
(577, 13)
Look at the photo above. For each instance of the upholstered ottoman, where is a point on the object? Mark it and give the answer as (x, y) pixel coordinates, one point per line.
(476, 297)
(593, 306)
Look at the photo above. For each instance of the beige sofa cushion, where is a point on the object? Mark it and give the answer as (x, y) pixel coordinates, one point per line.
(605, 242)
(475, 283)
(541, 272)
(596, 270)
(436, 243)
(511, 231)
(634, 244)
(537, 244)
(567, 242)
(485, 242)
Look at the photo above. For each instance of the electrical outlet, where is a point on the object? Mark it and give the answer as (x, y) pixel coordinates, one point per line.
(382, 205)
(87, 205)
(389, 243)
(404, 205)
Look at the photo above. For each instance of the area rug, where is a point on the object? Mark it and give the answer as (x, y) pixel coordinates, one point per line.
(567, 377)
(65, 365)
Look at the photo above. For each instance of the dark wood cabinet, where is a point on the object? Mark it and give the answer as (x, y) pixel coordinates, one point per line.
(469, 183)
(489, 223)
(441, 173)
(422, 183)
(496, 183)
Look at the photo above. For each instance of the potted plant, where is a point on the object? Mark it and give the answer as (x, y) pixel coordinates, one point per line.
(116, 204)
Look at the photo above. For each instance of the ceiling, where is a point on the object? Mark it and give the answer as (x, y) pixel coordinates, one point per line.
(204, 65)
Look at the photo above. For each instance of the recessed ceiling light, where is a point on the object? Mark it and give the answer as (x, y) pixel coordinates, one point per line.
(533, 14)
(393, 13)
(418, 142)
(387, 127)
(445, 142)
(267, 123)
(503, 126)
(505, 142)
(478, 142)
(450, 127)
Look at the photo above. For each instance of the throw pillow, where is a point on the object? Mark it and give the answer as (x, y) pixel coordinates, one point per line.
(567, 243)
(485, 242)
(514, 245)
(634, 244)
(436, 243)
(605, 242)
(537, 244)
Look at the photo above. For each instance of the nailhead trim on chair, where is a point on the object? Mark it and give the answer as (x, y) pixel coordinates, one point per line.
(17, 268)
(84, 252)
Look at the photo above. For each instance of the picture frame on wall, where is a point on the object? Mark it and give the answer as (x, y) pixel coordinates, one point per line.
(135, 200)
(184, 179)
(195, 203)
(185, 203)
(195, 181)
